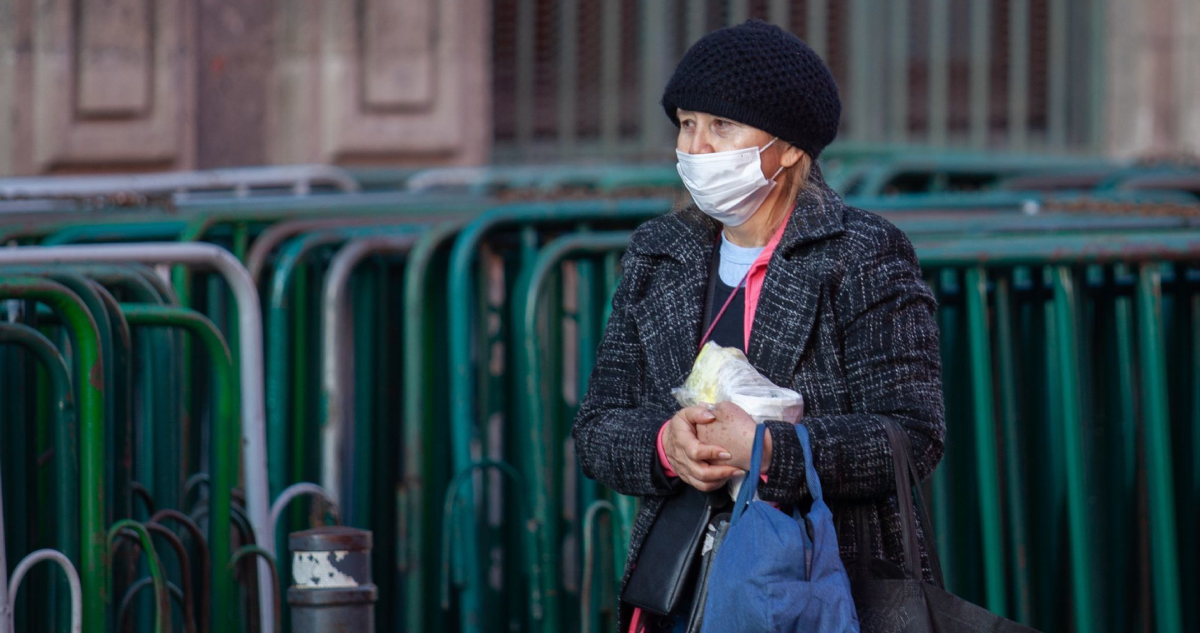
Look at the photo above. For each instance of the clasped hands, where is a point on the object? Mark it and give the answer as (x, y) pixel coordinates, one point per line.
(707, 445)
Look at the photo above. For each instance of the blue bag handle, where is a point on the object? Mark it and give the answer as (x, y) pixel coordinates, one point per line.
(750, 483)
(810, 471)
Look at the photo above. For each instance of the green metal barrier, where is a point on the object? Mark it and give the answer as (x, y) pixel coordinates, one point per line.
(1071, 373)
(89, 380)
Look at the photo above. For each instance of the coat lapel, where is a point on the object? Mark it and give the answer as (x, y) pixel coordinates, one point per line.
(791, 293)
(669, 316)
(787, 309)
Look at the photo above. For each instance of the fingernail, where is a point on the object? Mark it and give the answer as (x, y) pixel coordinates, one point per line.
(725, 455)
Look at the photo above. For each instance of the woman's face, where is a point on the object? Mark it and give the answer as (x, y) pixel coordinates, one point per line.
(701, 133)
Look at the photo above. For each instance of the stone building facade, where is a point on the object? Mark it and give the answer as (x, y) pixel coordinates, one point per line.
(136, 85)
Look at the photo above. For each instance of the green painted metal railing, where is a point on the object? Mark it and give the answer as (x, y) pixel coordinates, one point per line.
(1072, 375)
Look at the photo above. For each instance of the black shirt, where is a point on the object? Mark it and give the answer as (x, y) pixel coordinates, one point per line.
(730, 330)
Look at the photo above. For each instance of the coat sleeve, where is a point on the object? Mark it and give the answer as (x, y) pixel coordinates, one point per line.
(616, 429)
(885, 314)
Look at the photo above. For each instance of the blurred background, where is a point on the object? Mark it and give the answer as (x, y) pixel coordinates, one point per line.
(275, 269)
(129, 85)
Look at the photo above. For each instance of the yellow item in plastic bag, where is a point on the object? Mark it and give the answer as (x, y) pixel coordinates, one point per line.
(704, 382)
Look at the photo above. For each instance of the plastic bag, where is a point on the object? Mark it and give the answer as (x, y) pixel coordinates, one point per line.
(723, 374)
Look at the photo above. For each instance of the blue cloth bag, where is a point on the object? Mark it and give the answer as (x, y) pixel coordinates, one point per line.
(774, 572)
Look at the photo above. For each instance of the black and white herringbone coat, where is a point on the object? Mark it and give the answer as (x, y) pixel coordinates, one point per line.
(844, 318)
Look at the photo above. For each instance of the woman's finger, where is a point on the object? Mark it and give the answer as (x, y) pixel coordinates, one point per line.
(713, 474)
(699, 452)
(697, 414)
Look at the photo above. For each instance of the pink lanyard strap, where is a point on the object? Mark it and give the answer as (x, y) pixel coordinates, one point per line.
(732, 294)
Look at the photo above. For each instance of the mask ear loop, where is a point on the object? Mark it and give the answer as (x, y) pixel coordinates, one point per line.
(763, 149)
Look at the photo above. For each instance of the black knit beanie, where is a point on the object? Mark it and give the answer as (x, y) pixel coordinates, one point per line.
(763, 76)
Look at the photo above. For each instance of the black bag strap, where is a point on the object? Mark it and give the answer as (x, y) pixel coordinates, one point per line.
(912, 505)
(904, 499)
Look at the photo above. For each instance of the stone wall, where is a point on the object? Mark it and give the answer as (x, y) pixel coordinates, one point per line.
(134, 85)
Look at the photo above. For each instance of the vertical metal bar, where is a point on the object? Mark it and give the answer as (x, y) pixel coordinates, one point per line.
(981, 71)
(1056, 106)
(568, 72)
(1018, 74)
(985, 440)
(780, 13)
(656, 54)
(419, 523)
(738, 11)
(1014, 470)
(861, 66)
(526, 40)
(1124, 455)
(939, 69)
(537, 454)
(121, 393)
(610, 76)
(1065, 321)
(360, 433)
(816, 26)
(898, 68)
(1156, 419)
(1051, 505)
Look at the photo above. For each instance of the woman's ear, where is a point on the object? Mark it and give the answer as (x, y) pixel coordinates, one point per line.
(790, 156)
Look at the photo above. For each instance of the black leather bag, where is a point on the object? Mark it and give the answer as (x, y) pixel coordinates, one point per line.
(664, 565)
(893, 600)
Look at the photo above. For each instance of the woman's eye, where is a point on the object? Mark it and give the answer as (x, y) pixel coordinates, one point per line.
(720, 124)
(686, 123)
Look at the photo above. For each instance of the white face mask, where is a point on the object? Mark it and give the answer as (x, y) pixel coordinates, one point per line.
(729, 186)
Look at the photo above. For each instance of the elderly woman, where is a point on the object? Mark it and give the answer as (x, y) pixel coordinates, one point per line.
(823, 298)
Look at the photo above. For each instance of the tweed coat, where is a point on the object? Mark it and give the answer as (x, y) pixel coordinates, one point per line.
(844, 319)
